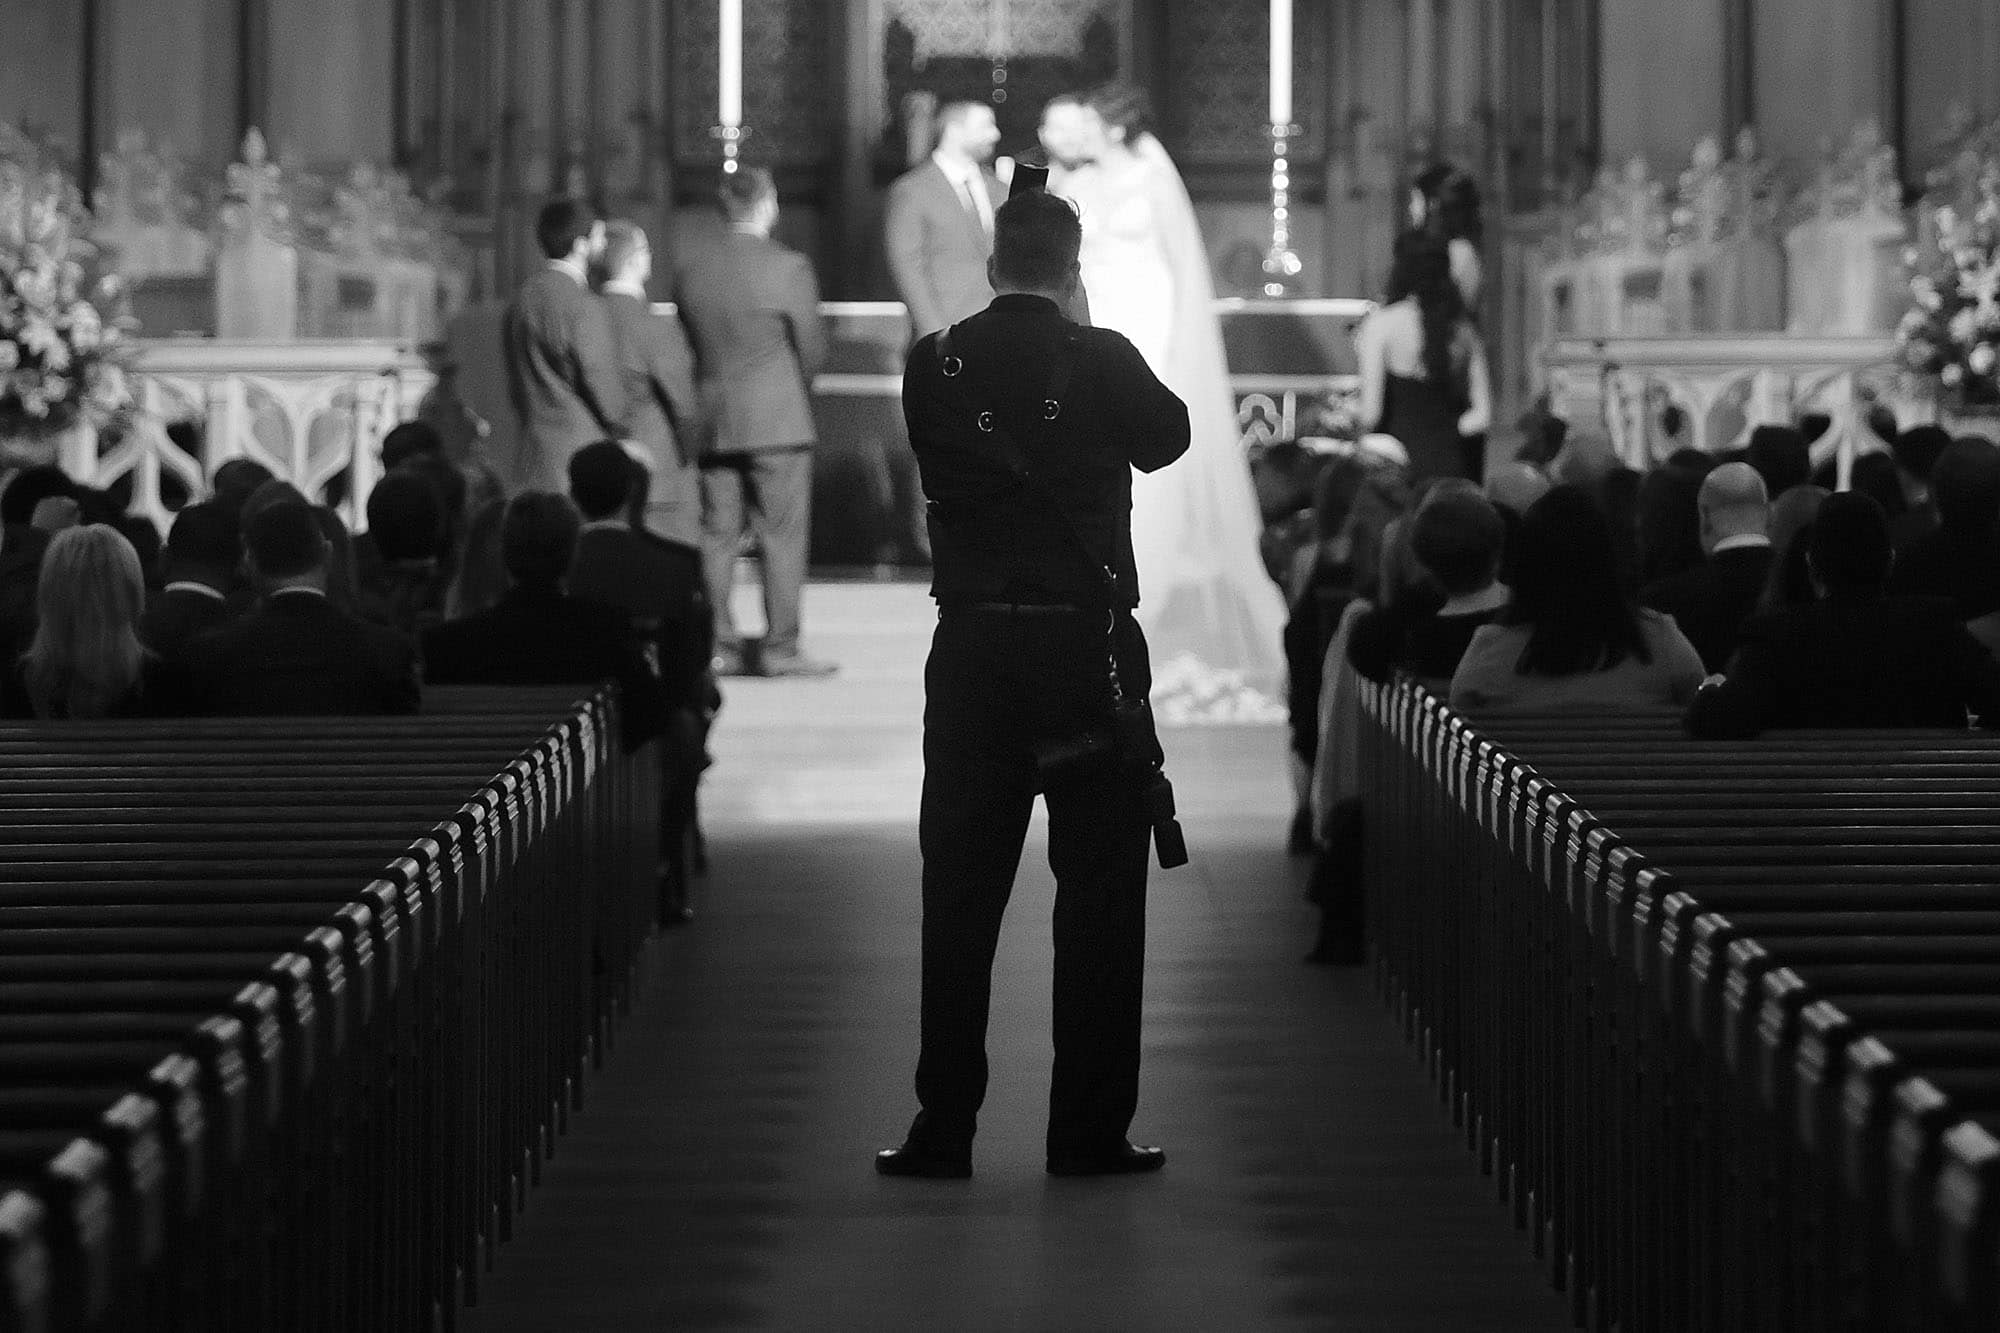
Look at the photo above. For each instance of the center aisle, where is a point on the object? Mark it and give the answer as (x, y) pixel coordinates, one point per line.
(720, 1176)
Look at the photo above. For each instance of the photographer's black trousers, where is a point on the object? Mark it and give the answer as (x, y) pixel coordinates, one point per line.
(997, 684)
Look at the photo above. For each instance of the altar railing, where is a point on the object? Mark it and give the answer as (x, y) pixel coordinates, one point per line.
(314, 413)
(1725, 386)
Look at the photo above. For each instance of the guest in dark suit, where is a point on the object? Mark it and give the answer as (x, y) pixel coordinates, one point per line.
(1916, 452)
(400, 580)
(297, 654)
(1960, 558)
(939, 221)
(1853, 658)
(664, 413)
(752, 310)
(204, 551)
(658, 584)
(562, 369)
(86, 660)
(1712, 601)
(537, 634)
(21, 550)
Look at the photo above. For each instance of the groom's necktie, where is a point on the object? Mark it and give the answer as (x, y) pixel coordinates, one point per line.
(971, 202)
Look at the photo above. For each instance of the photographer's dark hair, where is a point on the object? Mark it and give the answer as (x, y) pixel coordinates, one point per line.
(740, 193)
(1422, 269)
(1566, 590)
(564, 222)
(1452, 202)
(1122, 106)
(538, 537)
(1036, 237)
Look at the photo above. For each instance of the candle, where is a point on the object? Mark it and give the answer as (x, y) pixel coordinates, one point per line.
(729, 80)
(1281, 62)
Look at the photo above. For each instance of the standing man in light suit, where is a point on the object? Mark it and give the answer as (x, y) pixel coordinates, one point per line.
(939, 232)
(562, 367)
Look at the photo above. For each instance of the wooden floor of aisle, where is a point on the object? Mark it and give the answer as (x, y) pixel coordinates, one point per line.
(719, 1175)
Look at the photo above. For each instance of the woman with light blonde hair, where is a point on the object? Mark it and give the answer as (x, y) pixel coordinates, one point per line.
(86, 660)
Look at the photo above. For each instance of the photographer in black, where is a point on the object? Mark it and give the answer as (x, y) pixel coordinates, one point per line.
(1026, 425)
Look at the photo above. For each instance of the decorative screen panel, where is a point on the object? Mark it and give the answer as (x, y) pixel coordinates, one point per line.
(788, 48)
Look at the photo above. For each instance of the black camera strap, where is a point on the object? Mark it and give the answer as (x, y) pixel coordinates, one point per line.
(1069, 350)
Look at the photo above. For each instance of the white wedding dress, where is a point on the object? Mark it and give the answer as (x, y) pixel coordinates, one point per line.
(1212, 616)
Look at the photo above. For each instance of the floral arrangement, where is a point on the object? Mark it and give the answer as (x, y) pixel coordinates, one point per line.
(63, 345)
(1951, 335)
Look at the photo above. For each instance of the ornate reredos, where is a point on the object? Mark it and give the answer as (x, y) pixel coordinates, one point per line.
(1021, 27)
(257, 201)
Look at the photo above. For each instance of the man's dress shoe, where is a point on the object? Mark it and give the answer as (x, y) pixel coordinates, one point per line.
(928, 1163)
(1124, 1160)
(796, 665)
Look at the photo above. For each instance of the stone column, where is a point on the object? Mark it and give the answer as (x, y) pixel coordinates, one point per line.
(1666, 73)
(331, 80)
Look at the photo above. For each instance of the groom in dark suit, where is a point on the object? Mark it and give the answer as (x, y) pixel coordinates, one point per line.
(751, 307)
(939, 222)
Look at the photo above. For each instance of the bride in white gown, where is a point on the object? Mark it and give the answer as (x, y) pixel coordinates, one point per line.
(1213, 618)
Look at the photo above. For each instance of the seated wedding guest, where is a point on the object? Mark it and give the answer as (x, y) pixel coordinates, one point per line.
(1711, 601)
(1854, 657)
(1782, 458)
(1960, 558)
(657, 583)
(482, 575)
(1617, 494)
(236, 481)
(204, 550)
(1669, 523)
(86, 660)
(1789, 583)
(21, 550)
(1570, 638)
(1585, 459)
(1325, 576)
(297, 654)
(1458, 537)
(1874, 475)
(537, 634)
(416, 448)
(1916, 452)
(400, 580)
(340, 580)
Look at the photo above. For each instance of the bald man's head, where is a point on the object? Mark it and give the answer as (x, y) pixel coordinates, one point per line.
(1733, 503)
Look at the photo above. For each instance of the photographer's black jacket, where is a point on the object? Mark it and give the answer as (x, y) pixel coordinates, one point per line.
(992, 539)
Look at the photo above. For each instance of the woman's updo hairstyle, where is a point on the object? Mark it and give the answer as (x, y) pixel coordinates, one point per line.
(1123, 107)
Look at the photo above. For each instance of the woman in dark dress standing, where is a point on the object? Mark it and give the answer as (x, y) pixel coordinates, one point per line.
(1424, 378)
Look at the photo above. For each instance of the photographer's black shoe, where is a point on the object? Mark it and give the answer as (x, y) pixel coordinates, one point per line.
(926, 1163)
(1123, 1160)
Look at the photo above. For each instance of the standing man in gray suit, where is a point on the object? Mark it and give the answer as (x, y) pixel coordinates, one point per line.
(658, 369)
(939, 222)
(562, 369)
(751, 307)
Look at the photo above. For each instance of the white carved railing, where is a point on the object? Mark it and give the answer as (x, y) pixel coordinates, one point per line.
(308, 411)
(1727, 385)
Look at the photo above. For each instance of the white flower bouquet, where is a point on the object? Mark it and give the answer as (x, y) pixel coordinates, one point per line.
(63, 345)
(1950, 336)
